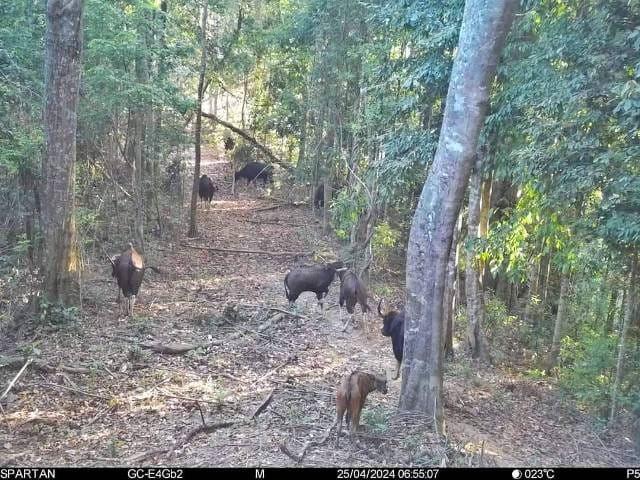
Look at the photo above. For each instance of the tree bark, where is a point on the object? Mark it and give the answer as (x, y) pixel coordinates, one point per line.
(534, 275)
(484, 28)
(554, 352)
(628, 314)
(193, 225)
(449, 302)
(611, 312)
(60, 262)
(475, 301)
(326, 215)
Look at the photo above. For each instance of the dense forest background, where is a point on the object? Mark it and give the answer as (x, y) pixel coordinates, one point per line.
(543, 276)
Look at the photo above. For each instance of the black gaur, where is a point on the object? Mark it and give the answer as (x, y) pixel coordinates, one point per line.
(255, 170)
(312, 278)
(128, 268)
(352, 291)
(393, 326)
(206, 189)
(318, 197)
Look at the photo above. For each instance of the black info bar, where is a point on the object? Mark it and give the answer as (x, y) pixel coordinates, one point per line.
(367, 473)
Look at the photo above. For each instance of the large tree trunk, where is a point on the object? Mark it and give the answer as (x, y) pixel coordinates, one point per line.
(475, 301)
(193, 226)
(554, 352)
(484, 28)
(60, 262)
(628, 314)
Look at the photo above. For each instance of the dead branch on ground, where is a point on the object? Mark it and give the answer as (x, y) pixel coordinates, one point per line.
(15, 379)
(256, 252)
(265, 403)
(16, 362)
(175, 348)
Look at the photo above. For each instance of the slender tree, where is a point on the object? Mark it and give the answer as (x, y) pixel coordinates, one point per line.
(484, 29)
(475, 300)
(193, 226)
(558, 330)
(622, 342)
(60, 262)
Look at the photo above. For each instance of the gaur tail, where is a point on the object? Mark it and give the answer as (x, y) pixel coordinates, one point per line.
(349, 396)
(286, 288)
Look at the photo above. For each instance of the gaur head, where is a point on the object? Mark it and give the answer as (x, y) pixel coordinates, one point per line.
(389, 318)
(380, 383)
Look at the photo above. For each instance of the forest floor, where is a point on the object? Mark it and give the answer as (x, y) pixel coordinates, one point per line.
(97, 397)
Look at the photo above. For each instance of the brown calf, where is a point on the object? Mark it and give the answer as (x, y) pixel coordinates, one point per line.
(351, 396)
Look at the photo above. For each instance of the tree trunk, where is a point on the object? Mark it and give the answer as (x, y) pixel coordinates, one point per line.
(326, 218)
(628, 314)
(193, 226)
(449, 302)
(554, 352)
(244, 99)
(532, 291)
(60, 262)
(475, 301)
(611, 312)
(484, 28)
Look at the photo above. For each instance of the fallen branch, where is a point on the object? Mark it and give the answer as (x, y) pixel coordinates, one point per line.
(293, 314)
(284, 449)
(170, 348)
(201, 429)
(273, 339)
(16, 362)
(100, 414)
(134, 458)
(82, 392)
(266, 209)
(256, 252)
(290, 359)
(248, 137)
(316, 444)
(15, 379)
(265, 403)
(7, 461)
(278, 222)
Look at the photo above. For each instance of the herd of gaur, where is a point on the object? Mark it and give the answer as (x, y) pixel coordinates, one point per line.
(128, 268)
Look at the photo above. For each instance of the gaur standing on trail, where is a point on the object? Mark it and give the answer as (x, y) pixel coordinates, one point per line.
(313, 278)
(253, 171)
(351, 396)
(393, 326)
(206, 189)
(318, 197)
(352, 291)
(128, 268)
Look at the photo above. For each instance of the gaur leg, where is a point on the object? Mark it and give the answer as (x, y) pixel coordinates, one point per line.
(339, 422)
(132, 301)
(346, 324)
(397, 371)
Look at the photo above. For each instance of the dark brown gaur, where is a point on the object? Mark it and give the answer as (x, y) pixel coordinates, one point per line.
(206, 189)
(128, 268)
(393, 326)
(352, 291)
(351, 396)
(310, 278)
(318, 197)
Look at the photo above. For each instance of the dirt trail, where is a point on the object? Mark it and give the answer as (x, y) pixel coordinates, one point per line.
(134, 405)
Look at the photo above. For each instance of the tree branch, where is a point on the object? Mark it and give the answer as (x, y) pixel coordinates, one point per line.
(247, 136)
